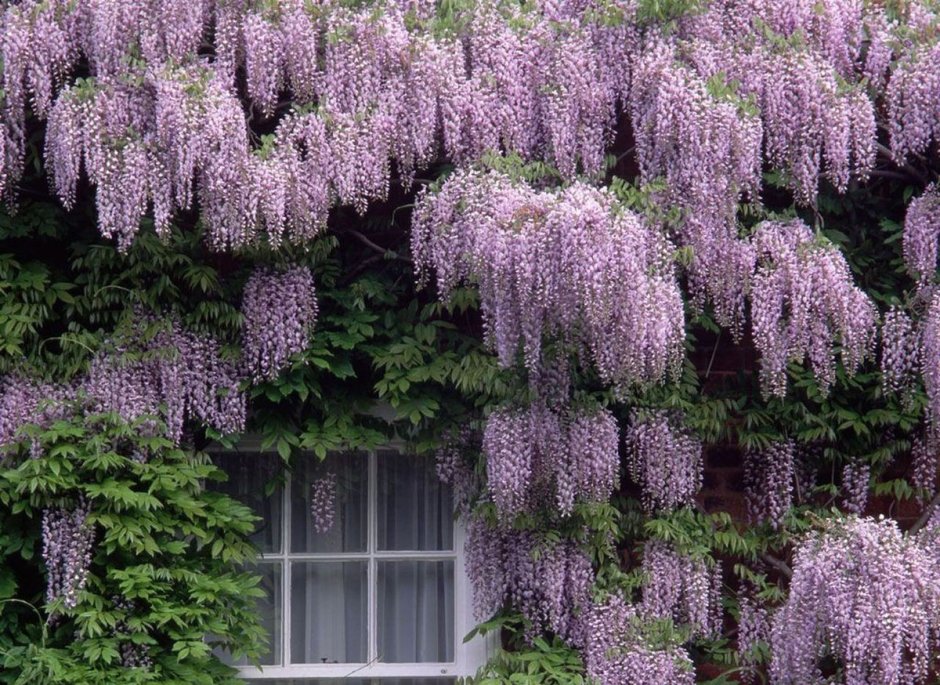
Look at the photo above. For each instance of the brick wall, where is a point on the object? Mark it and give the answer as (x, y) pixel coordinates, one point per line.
(718, 359)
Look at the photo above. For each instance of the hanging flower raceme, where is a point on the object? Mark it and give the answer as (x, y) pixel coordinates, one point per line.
(323, 502)
(569, 263)
(930, 362)
(708, 152)
(615, 653)
(682, 588)
(544, 81)
(67, 541)
(911, 98)
(921, 232)
(280, 310)
(900, 351)
(664, 458)
(865, 596)
(549, 583)
(535, 454)
(924, 461)
(855, 483)
(768, 482)
(753, 629)
(453, 469)
(25, 401)
(804, 305)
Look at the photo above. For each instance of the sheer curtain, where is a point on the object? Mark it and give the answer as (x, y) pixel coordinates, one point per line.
(329, 599)
(414, 597)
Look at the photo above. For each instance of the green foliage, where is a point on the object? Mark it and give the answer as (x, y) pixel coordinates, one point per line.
(544, 661)
(167, 547)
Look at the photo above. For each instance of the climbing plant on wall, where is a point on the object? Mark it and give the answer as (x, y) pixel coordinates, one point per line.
(514, 223)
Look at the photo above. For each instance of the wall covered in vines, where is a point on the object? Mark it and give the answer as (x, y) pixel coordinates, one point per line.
(535, 231)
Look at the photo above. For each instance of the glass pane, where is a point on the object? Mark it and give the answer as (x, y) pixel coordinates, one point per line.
(333, 681)
(249, 474)
(348, 530)
(354, 681)
(415, 510)
(269, 608)
(416, 611)
(328, 612)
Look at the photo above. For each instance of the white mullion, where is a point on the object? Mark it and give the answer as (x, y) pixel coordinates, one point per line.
(286, 571)
(416, 555)
(372, 623)
(339, 556)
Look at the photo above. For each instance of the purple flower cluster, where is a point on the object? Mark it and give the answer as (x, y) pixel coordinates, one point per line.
(371, 81)
(709, 153)
(924, 463)
(548, 582)
(729, 88)
(570, 263)
(323, 502)
(280, 309)
(133, 655)
(930, 362)
(67, 541)
(454, 470)
(804, 304)
(921, 232)
(900, 351)
(25, 401)
(856, 476)
(176, 374)
(753, 628)
(768, 482)
(615, 653)
(913, 89)
(681, 588)
(170, 376)
(534, 453)
(865, 595)
(664, 458)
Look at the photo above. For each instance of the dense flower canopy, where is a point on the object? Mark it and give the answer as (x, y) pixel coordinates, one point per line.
(608, 176)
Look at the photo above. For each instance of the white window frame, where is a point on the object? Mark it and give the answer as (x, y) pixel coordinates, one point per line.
(468, 656)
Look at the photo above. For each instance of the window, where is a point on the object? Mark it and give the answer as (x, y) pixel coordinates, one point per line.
(381, 598)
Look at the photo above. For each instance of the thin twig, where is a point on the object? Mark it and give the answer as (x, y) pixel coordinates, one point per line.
(906, 166)
(925, 516)
(778, 564)
(712, 360)
(884, 173)
(368, 243)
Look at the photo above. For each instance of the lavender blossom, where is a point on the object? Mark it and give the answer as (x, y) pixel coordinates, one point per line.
(768, 482)
(615, 652)
(67, 542)
(681, 588)
(280, 310)
(665, 459)
(323, 502)
(862, 593)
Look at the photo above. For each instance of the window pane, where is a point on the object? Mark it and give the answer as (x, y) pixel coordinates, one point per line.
(328, 612)
(334, 681)
(416, 611)
(415, 510)
(249, 474)
(348, 532)
(354, 681)
(269, 607)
